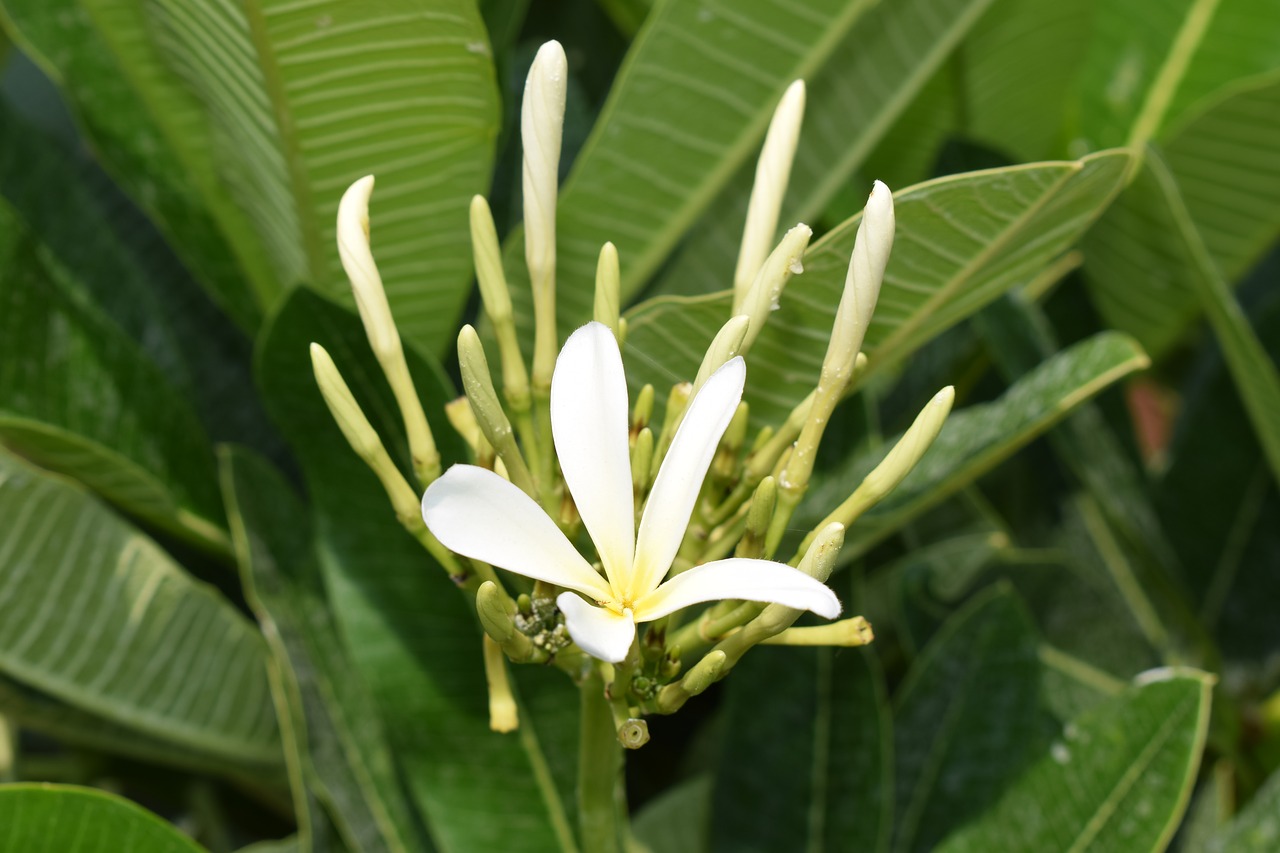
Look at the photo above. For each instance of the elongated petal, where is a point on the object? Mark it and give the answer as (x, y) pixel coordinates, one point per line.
(750, 580)
(598, 631)
(478, 514)
(666, 515)
(590, 424)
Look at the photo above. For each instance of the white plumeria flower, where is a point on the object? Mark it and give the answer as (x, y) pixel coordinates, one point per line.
(478, 514)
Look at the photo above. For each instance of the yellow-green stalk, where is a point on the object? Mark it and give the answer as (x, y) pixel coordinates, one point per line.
(478, 385)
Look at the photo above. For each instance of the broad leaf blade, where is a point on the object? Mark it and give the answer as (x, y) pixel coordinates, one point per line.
(1257, 828)
(967, 719)
(807, 760)
(312, 97)
(151, 136)
(406, 626)
(961, 242)
(852, 102)
(76, 396)
(344, 751)
(1118, 778)
(1149, 63)
(1222, 161)
(977, 438)
(97, 615)
(65, 819)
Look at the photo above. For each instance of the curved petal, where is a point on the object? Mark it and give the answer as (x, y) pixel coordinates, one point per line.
(666, 515)
(749, 580)
(589, 423)
(476, 513)
(598, 631)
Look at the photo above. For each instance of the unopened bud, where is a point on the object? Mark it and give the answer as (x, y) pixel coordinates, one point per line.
(643, 409)
(773, 170)
(904, 456)
(862, 282)
(496, 297)
(503, 714)
(677, 402)
(847, 633)
(641, 464)
(478, 385)
(608, 288)
(765, 293)
(726, 344)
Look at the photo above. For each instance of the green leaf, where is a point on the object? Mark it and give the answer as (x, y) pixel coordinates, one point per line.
(97, 615)
(1016, 69)
(811, 772)
(339, 747)
(687, 109)
(77, 397)
(1257, 828)
(150, 135)
(1149, 64)
(34, 711)
(115, 258)
(961, 242)
(967, 719)
(66, 819)
(1117, 778)
(976, 439)
(305, 99)
(1222, 166)
(407, 629)
(676, 820)
(851, 103)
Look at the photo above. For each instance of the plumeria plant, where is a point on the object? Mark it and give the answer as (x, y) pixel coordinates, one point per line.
(545, 497)
(614, 607)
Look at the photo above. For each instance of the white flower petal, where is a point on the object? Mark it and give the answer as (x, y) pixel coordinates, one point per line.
(476, 513)
(589, 422)
(598, 631)
(666, 515)
(750, 580)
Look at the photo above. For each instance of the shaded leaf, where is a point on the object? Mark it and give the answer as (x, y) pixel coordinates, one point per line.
(150, 135)
(1257, 828)
(340, 749)
(1117, 778)
(406, 627)
(806, 760)
(77, 397)
(967, 719)
(676, 821)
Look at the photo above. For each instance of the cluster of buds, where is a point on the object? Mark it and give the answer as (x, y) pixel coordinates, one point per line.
(640, 551)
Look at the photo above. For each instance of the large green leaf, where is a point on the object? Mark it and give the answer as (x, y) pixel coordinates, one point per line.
(977, 438)
(344, 753)
(116, 258)
(967, 719)
(33, 711)
(66, 819)
(76, 396)
(687, 109)
(676, 820)
(1222, 162)
(407, 628)
(811, 772)
(306, 98)
(95, 614)
(1117, 778)
(852, 102)
(1149, 63)
(151, 136)
(961, 242)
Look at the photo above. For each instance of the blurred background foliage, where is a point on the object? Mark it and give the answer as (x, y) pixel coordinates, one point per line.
(207, 607)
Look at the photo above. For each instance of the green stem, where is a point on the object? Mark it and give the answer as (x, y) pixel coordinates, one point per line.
(601, 799)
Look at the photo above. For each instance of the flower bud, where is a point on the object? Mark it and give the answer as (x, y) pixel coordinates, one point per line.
(726, 344)
(478, 385)
(766, 290)
(608, 288)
